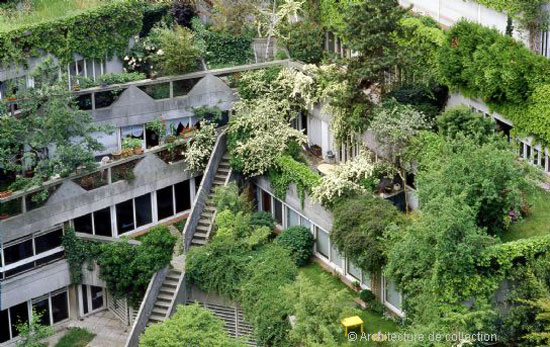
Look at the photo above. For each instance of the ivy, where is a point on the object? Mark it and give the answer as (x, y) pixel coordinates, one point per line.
(527, 12)
(287, 171)
(95, 34)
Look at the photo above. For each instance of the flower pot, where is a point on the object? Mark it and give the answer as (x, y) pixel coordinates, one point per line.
(127, 152)
(76, 87)
(117, 155)
(5, 194)
(11, 98)
(138, 150)
(4, 216)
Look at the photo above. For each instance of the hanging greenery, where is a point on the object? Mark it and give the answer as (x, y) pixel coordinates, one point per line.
(95, 34)
(286, 170)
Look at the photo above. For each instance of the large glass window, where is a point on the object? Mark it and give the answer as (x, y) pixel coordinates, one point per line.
(48, 241)
(392, 295)
(292, 218)
(322, 242)
(96, 297)
(305, 223)
(83, 224)
(183, 196)
(198, 181)
(18, 252)
(165, 203)
(278, 211)
(336, 258)
(354, 271)
(4, 326)
(125, 216)
(60, 307)
(18, 314)
(266, 201)
(43, 307)
(102, 222)
(143, 210)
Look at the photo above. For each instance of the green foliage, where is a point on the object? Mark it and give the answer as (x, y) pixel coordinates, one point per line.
(178, 52)
(487, 176)
(527, 12)
(75, 337)
(428, 99)
(318, 310)
(367, 296)
(333, 13)
(190, 325)
(358, 227)
(461, 120)
(32, 332)
(262, 218)
(111, 78)
(264, 78)
(222, 48)
(131, 143)
(305, 41)
(228, 198)
(212, 114)
(512, 80)
(95, 34)
(299, 241)
(77, 253)
(543, 306)
(287, 171)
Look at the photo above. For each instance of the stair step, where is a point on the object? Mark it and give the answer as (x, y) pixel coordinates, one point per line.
(164, 297)
(198, 242)
(220, 176)
(170, 283)
(168, 291)
(159, 310)
(156, 318)
(163, 303)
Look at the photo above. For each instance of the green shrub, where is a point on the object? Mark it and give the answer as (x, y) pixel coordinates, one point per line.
(305, 42)
(228, 198)
(429, 100)
(75, 337)
(178, 51)
(461, 120)
(367, 296)
(262, 218)
(191, 325)
(299, 241)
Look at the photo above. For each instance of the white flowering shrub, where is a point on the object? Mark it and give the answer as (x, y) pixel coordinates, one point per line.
(344, 180)
(198, 154)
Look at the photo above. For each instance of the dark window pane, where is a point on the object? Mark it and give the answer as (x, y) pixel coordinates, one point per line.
(97, 297)
(18, 314)
(143, 210)
(17, 252)
(60, 307)
(19, 269)
(4, 326)
(165, 204)
(125, 217)
(43, 308)
(83, 224)
(50, 258)
(278, 211)
(102, 222)
(266, 202)
(198, 180)
(183, 196)
(85, 298)
(48, 241)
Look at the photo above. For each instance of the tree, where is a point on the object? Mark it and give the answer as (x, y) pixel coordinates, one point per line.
(358, 229)
(178, 52)
(304, 40)
(32, 332)
(198, 154)
(299, 241)
(51, 135)
(191, 325)
(461, 120)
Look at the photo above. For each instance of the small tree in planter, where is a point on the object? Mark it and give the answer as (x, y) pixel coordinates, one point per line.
(133, 144)
(200, 150)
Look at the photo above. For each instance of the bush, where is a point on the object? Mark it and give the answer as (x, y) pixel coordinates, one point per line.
(262, 218)
(228, 198)
(178, 51)
(429, 100)
(367, 296)
(462, 120)
(299, 241)
(305, 42)
(190, 325)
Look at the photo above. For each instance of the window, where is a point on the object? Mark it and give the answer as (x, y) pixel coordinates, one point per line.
(18, 252)
(521, 149)
(322, 242)
(354, 271)
(336, 257)
(535, 156)
(92, 298)
(102, 222)
(125, 216)
(392, 295)
(278, 211)
(4, 326)
(305, 223)
(43, 307)
(144, 214)
(83, 224)
(365, 279)
(96, 297)
(60, 306)
(266, 201)
(48, 241)
(527, 151)
(198, 181)
(18, 314)
(183, 196)
(292, 218)
(165, 203)
(543, 160)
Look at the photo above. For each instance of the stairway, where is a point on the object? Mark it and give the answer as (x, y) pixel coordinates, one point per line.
(234, 323)
(165, 296)
(202, 232)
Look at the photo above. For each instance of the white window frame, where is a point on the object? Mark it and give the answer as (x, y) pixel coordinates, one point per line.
(89, 300)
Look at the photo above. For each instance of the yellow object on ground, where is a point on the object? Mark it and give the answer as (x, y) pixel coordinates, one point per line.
(352, 322)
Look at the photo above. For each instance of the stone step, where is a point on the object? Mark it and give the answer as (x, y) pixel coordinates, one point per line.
(169, 291)
(198, 242)
(164, 297)
(159, 310)
(170, 283)
(156, 318)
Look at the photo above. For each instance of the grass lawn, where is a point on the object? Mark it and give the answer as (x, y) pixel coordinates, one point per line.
(75, 337)
(44, 10)
(538, 221)
(372, 321)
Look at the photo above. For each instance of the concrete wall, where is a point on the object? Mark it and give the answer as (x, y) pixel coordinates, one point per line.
(34, 283)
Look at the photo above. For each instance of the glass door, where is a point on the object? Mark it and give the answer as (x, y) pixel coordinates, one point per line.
(92, 299)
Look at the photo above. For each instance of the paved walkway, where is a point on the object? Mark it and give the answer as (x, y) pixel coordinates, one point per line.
(109, 330)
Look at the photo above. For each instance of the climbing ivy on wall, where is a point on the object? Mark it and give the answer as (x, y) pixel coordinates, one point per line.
(95, 34)
(527, 12)
(287, 171)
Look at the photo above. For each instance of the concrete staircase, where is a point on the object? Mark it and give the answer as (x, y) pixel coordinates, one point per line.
(165, 297)
(206, 221)
(234, 324)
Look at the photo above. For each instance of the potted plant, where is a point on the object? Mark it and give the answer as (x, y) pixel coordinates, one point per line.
(11, 98)
(76, 87)
(117, 155)
(135, 145)
(5, 194)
